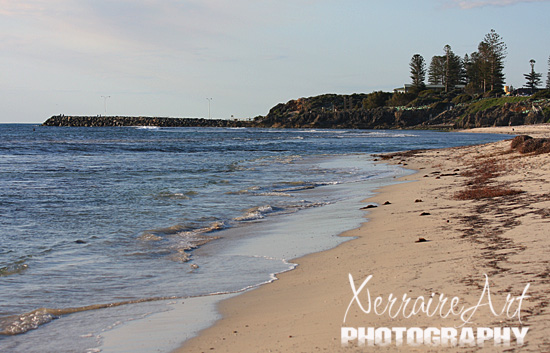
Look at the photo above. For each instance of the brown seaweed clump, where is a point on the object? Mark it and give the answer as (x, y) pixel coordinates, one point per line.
(526, 144)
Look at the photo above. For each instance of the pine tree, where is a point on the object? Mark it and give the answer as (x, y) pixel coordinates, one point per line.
(418, 71)
(533, 78)
(436, 71)
(492, 52)
(453, 69)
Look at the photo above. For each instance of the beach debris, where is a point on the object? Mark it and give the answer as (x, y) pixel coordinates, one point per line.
(425, 214)
(194, 266)
(368, 206)
(387, 203)
(526, 144)
(418, 200)
(422, 240)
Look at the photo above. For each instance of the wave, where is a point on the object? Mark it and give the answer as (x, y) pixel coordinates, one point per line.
(147, 127)
(176, 242)
(175, 195)
(274, 193)
(18, 324)
(377, 134)
(297, 188)
(255, 213)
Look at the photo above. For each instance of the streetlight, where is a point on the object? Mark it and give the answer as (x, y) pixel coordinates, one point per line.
(105, 102)
(209, 100)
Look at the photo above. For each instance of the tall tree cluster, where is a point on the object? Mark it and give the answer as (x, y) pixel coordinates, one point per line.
(481, 71)
(446, 70)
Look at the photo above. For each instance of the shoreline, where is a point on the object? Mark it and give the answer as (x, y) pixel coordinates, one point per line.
(304, 309)
(280, 238)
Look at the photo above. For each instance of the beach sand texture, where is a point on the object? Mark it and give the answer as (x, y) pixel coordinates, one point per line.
(505, 237)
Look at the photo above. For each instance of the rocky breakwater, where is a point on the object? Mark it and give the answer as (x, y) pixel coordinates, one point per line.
(100, 121)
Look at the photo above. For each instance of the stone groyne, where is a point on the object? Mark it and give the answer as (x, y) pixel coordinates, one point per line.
(99, 121)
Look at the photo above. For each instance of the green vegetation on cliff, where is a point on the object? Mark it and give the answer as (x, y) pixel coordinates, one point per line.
(426, 109)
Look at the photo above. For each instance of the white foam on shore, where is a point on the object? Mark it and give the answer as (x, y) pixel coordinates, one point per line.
(279, 238)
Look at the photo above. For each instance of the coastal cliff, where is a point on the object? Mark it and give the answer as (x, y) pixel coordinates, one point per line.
(505, 111)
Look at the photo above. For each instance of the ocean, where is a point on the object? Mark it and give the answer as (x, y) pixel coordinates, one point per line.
(104, 227)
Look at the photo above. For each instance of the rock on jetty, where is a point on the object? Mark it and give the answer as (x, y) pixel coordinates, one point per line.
(62, 120)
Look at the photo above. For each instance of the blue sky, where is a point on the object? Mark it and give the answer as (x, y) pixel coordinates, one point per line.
(164, 58)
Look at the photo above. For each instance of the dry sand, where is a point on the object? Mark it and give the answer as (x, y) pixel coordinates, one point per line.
(537, 130)
(506, 237)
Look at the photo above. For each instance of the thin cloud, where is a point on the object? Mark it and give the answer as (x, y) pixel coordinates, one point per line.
(466, 5)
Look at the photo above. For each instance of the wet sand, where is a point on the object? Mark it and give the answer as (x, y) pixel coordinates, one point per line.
(422, 239)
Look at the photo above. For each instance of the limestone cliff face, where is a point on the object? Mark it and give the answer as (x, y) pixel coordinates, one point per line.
(438, 115)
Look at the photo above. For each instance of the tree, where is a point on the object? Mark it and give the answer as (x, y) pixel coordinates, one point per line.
(492, 51)
(453, 69)
(533, 78)
(436, 71)
(548, 75)
(418, 71)
(446, 70)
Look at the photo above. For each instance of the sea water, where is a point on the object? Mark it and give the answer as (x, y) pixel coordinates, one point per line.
(102, 227)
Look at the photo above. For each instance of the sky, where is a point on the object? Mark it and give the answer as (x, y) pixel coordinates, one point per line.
(237, 58)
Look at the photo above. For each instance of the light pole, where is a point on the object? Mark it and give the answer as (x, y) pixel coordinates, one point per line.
(105, 102)
(209, 100)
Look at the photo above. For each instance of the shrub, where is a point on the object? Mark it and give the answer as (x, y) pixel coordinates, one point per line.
(400, 99)
(422, 101)
(439, 106)
(462, 98)
(544, 94)
(497, 92)
(427, 93)
(376, 100)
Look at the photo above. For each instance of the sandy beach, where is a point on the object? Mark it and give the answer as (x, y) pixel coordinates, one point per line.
(472, 225)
